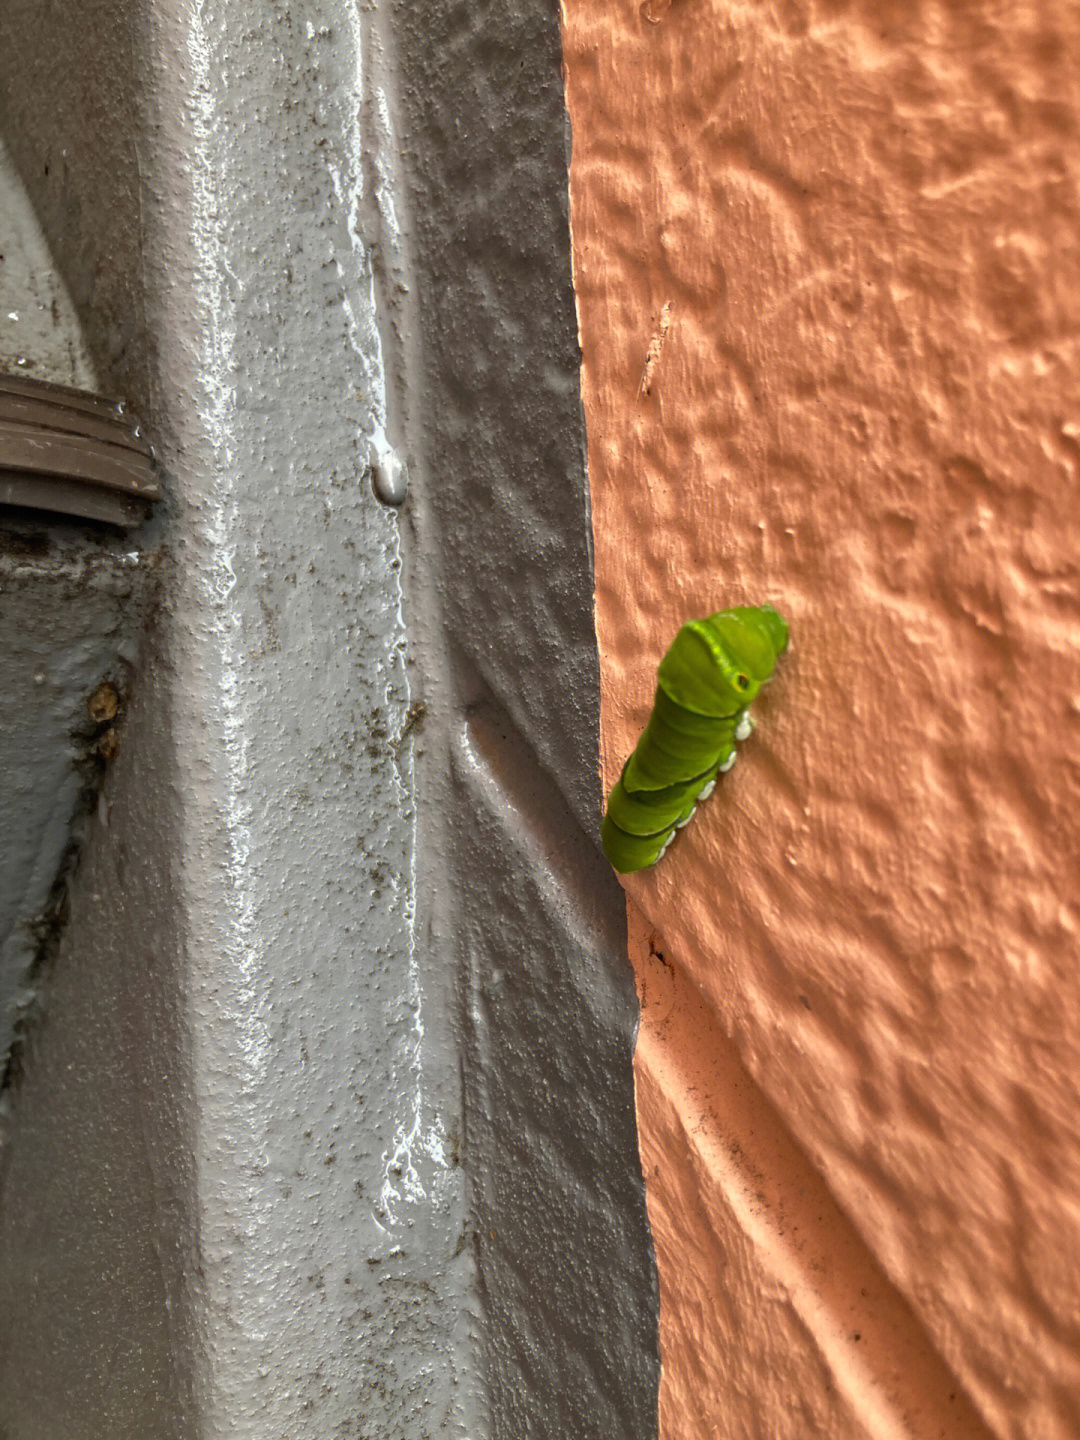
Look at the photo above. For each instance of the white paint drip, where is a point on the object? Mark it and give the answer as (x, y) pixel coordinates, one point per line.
(402, 1182)
(215, 285)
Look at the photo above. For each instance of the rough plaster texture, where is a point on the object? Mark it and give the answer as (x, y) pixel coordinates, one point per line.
(785, 1323)
(309, 1166)
(863, 407)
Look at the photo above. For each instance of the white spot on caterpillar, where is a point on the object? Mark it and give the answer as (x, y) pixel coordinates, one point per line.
(744, 727)
(706, 790)
(726, 766)
(686, 818)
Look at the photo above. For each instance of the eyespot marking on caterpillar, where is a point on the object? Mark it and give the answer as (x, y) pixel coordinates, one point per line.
(709, 674)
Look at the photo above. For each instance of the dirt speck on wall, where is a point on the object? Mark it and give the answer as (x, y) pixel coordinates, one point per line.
(841, 242)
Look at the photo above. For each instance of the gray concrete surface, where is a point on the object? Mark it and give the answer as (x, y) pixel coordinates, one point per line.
(326, 1126)
(71, 606)
(565, 1267)
(40, 335)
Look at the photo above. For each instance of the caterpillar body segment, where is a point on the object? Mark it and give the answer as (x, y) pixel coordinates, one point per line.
(712, 671)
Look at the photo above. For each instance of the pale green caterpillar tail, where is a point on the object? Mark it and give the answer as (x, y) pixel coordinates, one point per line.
(712, 671)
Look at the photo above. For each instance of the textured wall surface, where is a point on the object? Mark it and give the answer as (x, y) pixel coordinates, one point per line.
(846, 234)
(39, 330)
(504, 427)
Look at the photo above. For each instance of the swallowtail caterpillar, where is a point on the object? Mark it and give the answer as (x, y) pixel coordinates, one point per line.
(712, 671)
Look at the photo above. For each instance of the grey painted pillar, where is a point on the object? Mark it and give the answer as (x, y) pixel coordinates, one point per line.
(564, 1265)
(326, 1127)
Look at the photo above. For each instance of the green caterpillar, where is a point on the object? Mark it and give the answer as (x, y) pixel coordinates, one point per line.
(710, 674)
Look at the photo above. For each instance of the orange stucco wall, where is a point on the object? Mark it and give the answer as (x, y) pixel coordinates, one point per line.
(827, 258)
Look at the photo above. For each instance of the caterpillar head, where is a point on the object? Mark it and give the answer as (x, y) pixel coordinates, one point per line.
(717, 666)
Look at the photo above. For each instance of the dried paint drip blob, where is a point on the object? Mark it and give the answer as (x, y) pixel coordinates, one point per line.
(712, 671)
(389, 474)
